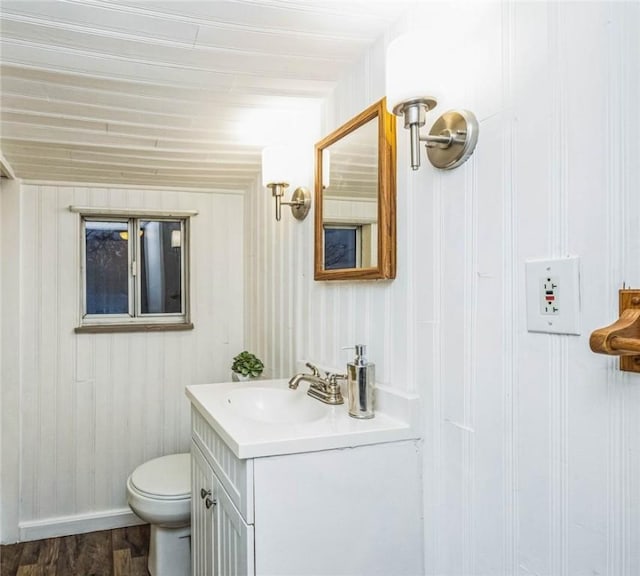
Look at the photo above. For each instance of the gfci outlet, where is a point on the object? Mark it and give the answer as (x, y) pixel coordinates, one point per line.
(549, 296)
(553, 295)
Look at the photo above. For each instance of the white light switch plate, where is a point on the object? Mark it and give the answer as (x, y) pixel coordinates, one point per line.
(553, 295)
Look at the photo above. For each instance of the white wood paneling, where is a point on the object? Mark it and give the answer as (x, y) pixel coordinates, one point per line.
(10, 402)
(532, 443)
(94, 406)
(106, 92)
(2, 180)
(2, 494)
(278, 255)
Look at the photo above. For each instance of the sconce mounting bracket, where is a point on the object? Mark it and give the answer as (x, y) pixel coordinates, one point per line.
(452, 139)
(300, 203)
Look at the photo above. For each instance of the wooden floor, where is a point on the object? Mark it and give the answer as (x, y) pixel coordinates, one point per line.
(120, 552)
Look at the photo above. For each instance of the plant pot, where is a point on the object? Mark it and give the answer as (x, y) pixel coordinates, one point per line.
(236, 377)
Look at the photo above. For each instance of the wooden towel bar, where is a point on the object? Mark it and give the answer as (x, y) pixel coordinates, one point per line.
(622, 338)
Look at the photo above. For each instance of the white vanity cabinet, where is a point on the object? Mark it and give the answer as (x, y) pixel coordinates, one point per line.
(347, 511)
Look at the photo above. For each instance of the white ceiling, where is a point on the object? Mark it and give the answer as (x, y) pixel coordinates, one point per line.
(178, 93)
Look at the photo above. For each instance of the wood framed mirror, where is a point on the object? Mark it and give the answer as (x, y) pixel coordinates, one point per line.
(355, 190)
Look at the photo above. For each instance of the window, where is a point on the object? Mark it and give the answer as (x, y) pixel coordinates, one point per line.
(342, 246)
(134, 272)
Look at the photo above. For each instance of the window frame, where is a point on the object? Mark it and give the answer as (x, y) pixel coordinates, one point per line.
(134, 320)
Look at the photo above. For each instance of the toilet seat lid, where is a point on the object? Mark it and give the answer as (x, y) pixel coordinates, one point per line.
(167, 477)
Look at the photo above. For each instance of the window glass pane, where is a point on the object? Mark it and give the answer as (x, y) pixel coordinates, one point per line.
(107, 257)
(160, 267)
(340, 247)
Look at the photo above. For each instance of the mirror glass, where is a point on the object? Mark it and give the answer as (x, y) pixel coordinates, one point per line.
(355, 199)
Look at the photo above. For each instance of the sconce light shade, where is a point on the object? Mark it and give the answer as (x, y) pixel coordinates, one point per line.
(326, 168)
(406, 77)
(274, 165)
(453, 137)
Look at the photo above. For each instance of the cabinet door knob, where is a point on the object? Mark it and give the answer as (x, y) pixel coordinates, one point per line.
(204, 493)
(208, 502)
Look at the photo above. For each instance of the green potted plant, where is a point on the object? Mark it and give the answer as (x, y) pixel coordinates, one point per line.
(246, 366)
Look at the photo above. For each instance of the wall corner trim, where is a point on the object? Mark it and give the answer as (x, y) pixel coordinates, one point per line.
(5, 168)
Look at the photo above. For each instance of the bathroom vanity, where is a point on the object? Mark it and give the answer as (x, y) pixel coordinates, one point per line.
(283, 484)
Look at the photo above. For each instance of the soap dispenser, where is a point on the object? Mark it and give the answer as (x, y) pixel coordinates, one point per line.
(360, 382)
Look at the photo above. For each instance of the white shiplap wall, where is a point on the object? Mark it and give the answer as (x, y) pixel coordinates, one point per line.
(2, 185)
(532, 443)
(94, 406)
(10, 369)
(279, 262)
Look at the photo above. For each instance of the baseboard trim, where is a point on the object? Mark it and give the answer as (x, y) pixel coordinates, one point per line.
(77, 524)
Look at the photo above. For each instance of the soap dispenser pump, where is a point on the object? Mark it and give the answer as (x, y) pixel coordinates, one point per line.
(360, 382)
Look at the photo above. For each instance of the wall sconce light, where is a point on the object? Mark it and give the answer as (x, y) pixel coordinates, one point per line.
(275, 177)
(453, 136)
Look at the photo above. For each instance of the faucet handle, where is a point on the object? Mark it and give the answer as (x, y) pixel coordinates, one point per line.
(313, 369)
(333, 378)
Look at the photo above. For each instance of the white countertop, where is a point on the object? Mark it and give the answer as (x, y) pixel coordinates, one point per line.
(333, 428)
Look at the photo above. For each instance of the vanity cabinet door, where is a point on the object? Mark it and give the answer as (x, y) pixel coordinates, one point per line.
(202, 515)
(222, 543)
(234, 538)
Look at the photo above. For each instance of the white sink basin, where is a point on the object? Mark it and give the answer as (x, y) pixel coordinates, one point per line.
(275, 406)
(266, 418)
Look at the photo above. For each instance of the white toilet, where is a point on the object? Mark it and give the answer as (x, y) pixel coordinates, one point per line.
(159, 492)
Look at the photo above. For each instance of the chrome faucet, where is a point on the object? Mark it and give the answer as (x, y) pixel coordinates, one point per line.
(293, 383)
(325, 389)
